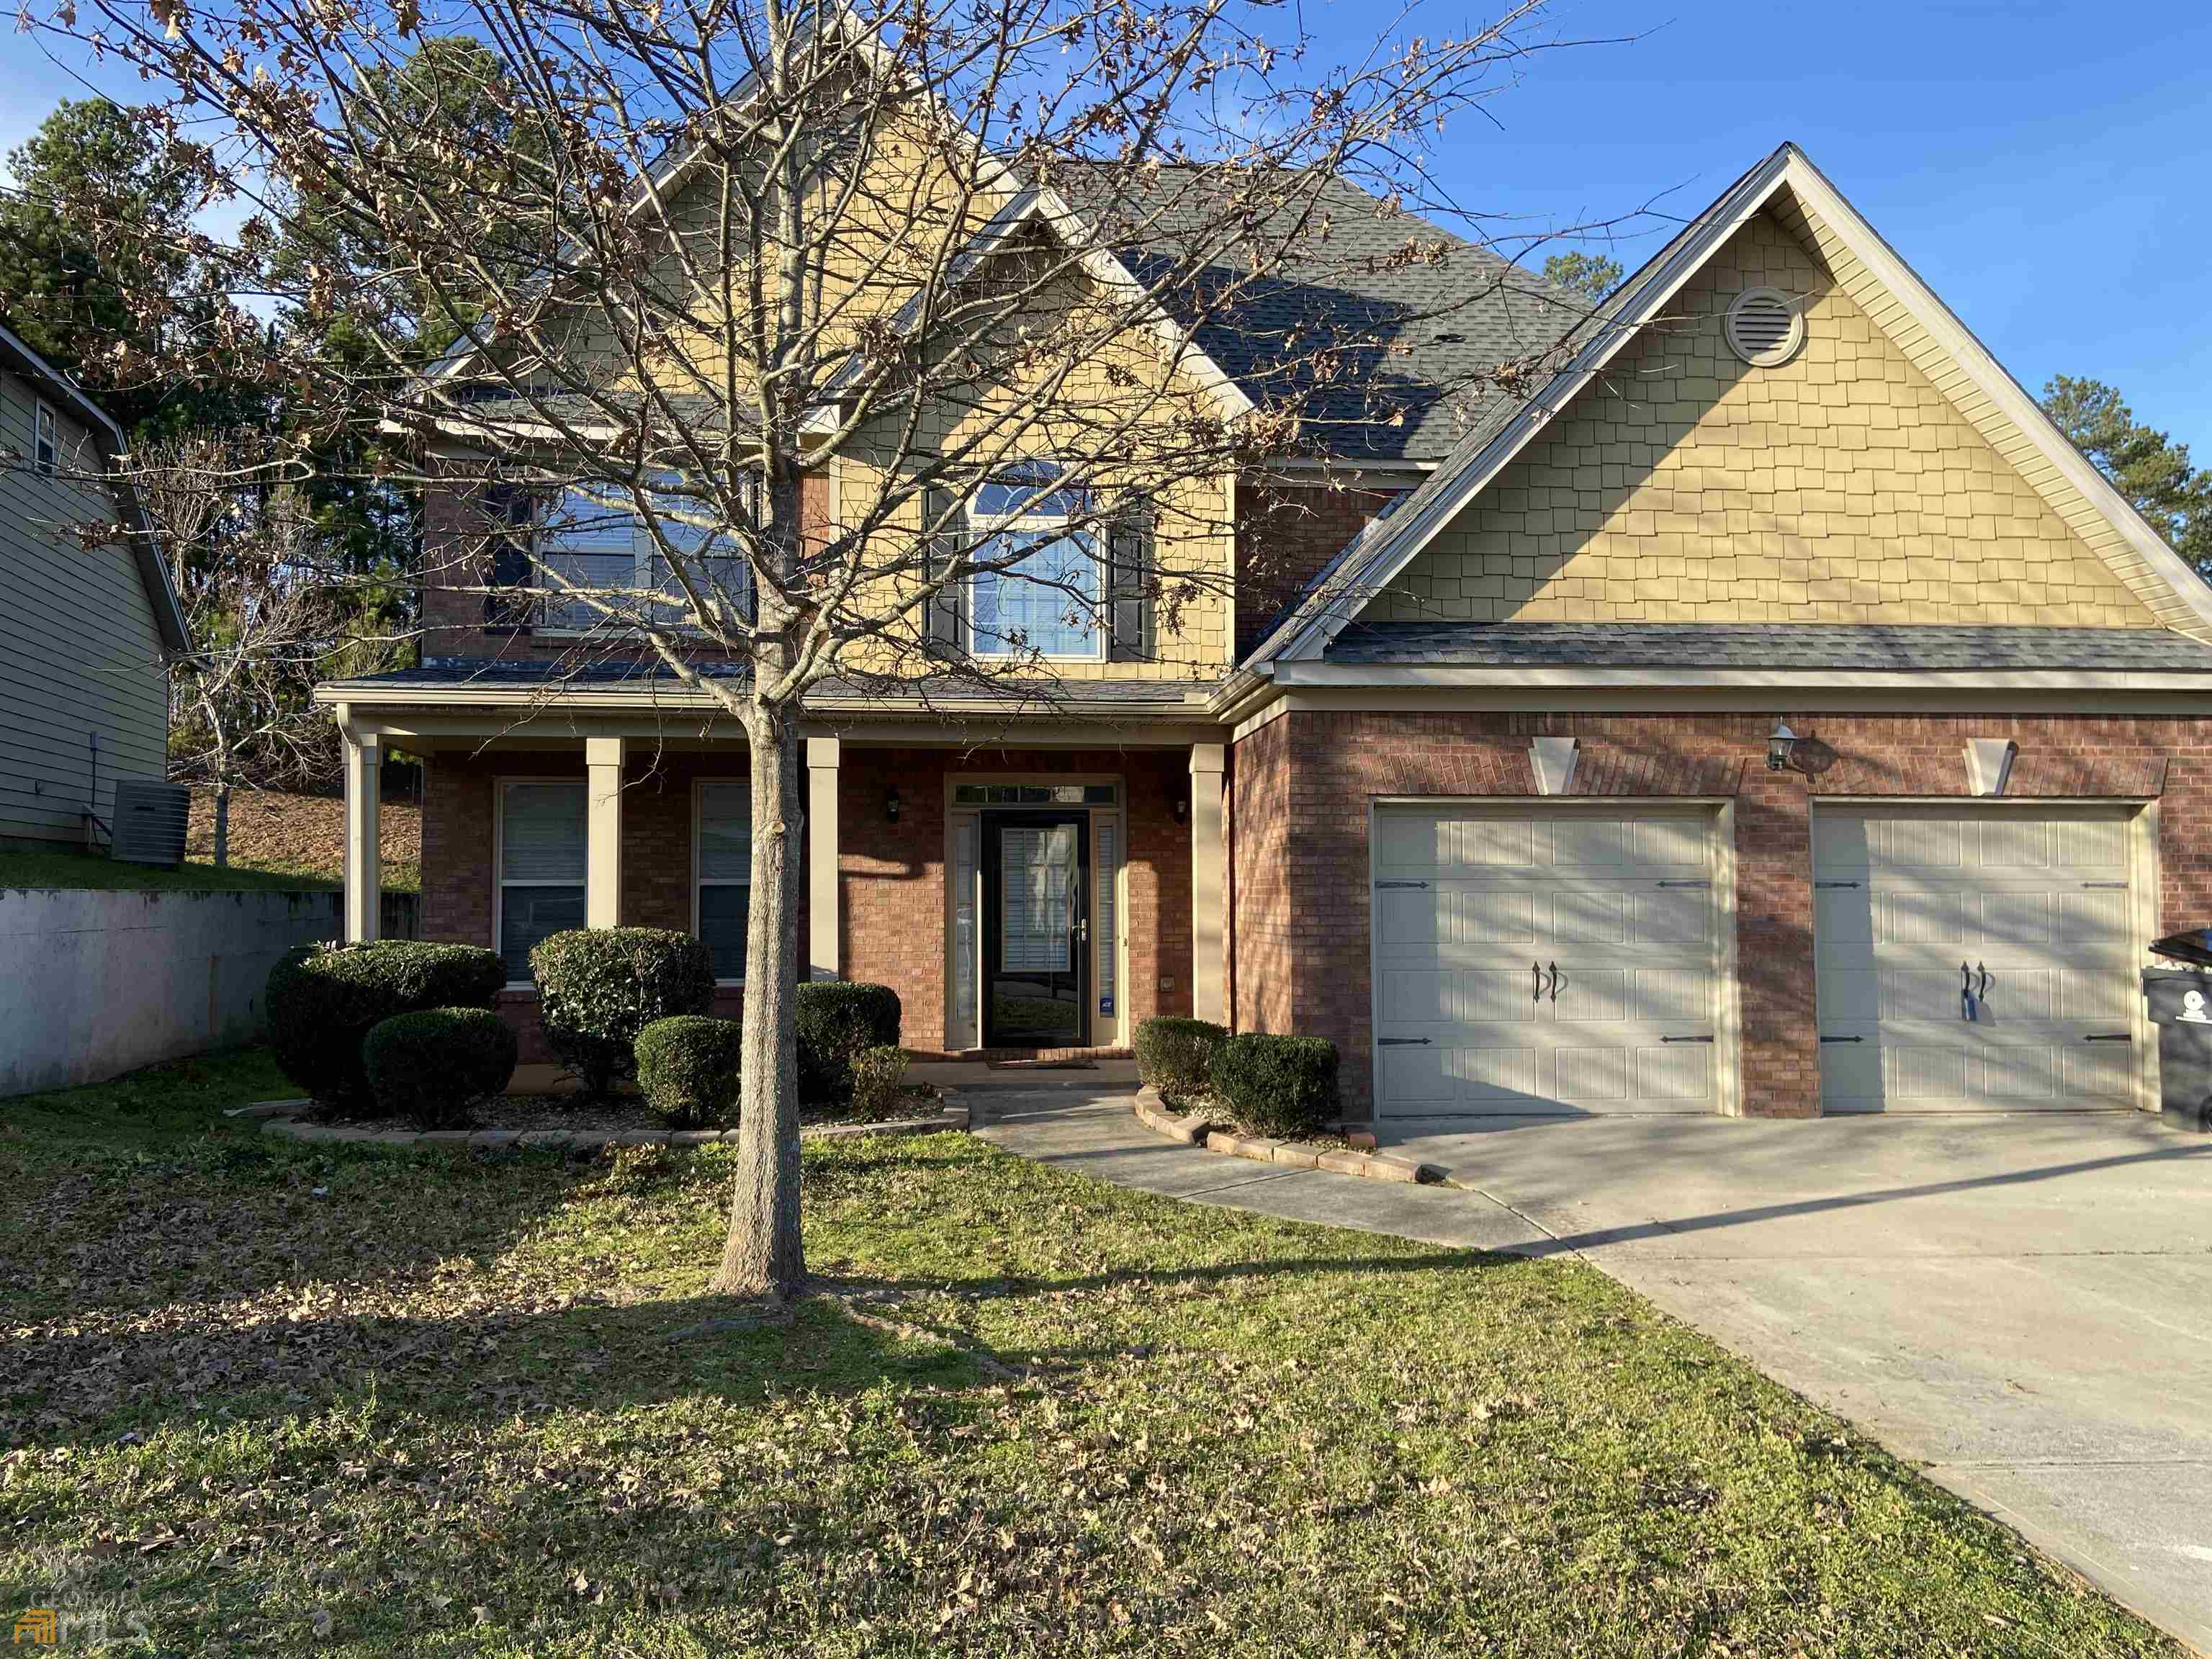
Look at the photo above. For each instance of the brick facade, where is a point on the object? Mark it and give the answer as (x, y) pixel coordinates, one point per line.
(891, 889)
(458, 816)
(1285, 533)
(1303, 782)
(893, 885)
(456, 566)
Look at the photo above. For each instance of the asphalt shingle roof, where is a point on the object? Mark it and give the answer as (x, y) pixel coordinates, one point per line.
(469, 673)
(1423, 319)
(1765, 645)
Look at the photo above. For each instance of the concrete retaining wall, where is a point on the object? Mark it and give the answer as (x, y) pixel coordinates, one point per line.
(93, 983)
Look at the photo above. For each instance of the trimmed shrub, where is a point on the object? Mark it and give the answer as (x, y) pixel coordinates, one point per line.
(837, 1018)
(879, 1081)
(430, 1065)
(687, 1068)
(597, 987)
(1278, 1085)
(322, 1000)
(1175, 1056)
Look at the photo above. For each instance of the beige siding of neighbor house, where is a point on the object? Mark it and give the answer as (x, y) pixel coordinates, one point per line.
(1845, 486)
(83, 656)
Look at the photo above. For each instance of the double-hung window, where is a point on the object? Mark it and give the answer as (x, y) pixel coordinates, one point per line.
(541, 867)
(46, 443)
(1039, 591)
(590, 542)
(586, 544)
(726, 874)
(720, 574)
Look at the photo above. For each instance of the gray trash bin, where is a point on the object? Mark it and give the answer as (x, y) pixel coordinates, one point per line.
(2185, 1043)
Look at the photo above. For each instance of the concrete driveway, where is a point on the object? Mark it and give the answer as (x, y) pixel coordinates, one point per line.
(2022, 1302)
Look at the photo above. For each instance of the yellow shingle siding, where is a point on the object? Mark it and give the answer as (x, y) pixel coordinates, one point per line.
(1684, 485)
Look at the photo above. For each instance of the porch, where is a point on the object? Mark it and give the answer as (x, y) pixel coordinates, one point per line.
(1037, 892)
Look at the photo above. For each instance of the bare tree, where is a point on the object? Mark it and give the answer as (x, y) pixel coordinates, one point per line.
(267, 611)
(793, 287)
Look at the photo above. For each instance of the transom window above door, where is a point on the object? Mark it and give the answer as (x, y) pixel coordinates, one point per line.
(1034, 528)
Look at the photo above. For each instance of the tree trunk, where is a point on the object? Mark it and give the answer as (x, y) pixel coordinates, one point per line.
(222, 826)
(763, 1254)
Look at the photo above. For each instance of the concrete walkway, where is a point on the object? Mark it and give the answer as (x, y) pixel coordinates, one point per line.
(2022, 1304)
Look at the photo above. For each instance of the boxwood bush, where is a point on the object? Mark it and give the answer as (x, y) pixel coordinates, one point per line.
(1278, 1085)
(429, 1066)
(880, 1082)
(688, 1068)
(322, 1000)
(1175, 1056)
(597, 987)
(838, 1019)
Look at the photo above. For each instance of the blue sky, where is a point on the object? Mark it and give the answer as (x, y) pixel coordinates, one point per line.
(2044, 166)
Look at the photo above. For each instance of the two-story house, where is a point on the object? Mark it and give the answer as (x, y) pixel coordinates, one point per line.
(84, 690)
(1763, 709)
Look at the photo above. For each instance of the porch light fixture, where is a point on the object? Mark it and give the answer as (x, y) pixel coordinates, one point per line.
(891, 804)
(1182, 808)
(1778, 747)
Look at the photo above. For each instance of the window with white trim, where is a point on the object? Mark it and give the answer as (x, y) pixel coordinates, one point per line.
(541, 868)
(725, 875)
(587, 539)
(46, 443)
(1043, 596)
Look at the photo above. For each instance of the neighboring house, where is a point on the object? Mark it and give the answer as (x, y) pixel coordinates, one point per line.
(1492, 797)
(83, 693)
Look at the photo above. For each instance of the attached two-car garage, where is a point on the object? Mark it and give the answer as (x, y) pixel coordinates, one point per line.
(1567, 959)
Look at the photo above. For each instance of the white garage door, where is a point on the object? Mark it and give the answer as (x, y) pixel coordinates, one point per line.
(1974, 960)
(1559, 962)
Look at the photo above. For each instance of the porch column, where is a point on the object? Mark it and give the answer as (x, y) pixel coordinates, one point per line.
(1208, 872)
(364, 874)
(822, 919)
(602, 806)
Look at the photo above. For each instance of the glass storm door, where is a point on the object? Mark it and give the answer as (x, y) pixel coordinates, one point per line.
(1036, 930)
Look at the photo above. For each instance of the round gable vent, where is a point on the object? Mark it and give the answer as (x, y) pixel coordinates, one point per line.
(1764, 328)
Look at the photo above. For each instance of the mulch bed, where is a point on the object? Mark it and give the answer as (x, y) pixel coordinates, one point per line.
(574, 1113)
(1214, 1114)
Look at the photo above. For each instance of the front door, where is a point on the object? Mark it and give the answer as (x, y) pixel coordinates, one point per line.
(1036, 930)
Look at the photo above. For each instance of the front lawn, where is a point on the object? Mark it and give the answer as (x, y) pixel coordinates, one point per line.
(273, 1398)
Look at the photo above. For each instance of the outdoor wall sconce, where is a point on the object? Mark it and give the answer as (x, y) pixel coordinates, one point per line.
(891, 804)
(1779, 747)
(1182, 809)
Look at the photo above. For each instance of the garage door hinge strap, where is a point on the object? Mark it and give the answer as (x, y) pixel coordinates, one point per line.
(1401, 1043)
(1685, 884)
(1835, 883)
(1401, 884)
(2108, 1036)
(1830, 1039)
(1685, 1039)
(2120, 885)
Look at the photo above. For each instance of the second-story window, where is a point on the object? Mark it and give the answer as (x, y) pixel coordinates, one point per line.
(46, 444)
(1033, 528)
(591, 553)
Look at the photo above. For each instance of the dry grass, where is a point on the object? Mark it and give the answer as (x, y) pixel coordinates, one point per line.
(305, 835)
(278, 1400)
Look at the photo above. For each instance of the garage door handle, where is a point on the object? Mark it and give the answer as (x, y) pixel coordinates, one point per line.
(1401, 1043)
(2108, 1036)
(1684, 1039)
